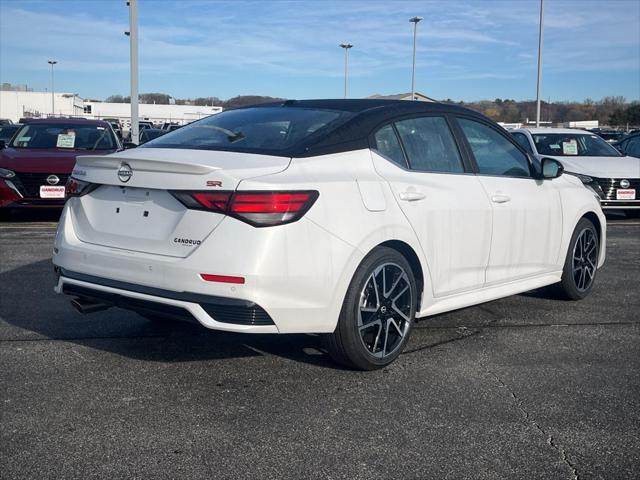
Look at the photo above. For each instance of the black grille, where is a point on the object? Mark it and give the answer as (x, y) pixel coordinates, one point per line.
(29, 183)
(610, 185)
(240, 315)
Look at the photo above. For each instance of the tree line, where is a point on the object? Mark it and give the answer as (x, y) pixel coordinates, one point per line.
(613, 111)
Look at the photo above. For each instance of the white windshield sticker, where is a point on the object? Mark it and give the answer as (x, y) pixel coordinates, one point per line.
(23, 139)
(555, 146)
(570, 147)
(66, 140)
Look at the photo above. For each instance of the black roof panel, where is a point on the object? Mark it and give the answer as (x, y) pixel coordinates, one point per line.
(368, 115)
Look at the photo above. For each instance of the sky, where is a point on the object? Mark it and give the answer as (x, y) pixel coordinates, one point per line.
(466, 50)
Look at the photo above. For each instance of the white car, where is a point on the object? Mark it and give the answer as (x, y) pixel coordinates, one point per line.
(614, 177)
(349, 218)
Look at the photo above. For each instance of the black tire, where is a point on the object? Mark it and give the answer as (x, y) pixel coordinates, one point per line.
(580, 265)
(356, 341)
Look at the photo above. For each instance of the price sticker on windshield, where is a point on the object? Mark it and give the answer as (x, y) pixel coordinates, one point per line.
(66, 140)
(570, 147)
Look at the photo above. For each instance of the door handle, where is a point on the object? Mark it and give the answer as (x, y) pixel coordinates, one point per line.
(500, 198)
(411, 196)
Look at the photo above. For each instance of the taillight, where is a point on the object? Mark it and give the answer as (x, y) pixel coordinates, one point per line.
(78, 188)
(257, 208)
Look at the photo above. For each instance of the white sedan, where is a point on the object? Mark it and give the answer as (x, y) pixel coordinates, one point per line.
(348, 218)
(614, 177)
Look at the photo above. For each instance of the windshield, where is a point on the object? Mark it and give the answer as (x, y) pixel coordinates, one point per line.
(64, 137)
(268, 129)
(573, 145)
(7, 131)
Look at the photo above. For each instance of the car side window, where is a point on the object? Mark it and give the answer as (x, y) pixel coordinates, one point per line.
(429, 145)
(633, 147)
(523, 141)
(494, 154)
(388, 145)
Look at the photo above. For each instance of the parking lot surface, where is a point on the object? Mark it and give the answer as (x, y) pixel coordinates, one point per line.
(524, 387)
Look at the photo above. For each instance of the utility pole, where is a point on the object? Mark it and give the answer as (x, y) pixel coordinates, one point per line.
(415, 21)
(133, 42)
(539, 62)
(346, 47)
(53, 98)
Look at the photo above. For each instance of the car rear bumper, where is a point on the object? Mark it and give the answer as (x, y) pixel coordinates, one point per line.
(213, 312)
(294, 275)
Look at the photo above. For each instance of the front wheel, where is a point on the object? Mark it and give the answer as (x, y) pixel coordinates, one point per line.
(377, 314)
(581, 263)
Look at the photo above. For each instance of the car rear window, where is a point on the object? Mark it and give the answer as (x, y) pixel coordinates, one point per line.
(259, 129)
(64, 136)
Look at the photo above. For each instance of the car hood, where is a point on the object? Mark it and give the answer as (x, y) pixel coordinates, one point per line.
(602, 167)
(43, 161)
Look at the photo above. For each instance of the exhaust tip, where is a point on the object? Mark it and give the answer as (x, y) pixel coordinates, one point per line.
(85, 306)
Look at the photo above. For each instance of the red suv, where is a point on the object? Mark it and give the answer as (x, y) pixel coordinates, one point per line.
(35, 164)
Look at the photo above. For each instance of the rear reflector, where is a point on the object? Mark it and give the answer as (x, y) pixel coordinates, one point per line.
(257, 208)
(221, 278)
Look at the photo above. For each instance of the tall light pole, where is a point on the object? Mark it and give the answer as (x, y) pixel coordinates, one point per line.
(53, 101)
(133, 43)
(541, 29)
(415, 21)
(346, 47)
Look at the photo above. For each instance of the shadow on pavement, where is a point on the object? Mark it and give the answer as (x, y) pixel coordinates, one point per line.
(35, 311)
(31, 215)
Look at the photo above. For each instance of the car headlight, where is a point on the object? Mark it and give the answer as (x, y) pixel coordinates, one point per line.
(4, 173)
(590, 183)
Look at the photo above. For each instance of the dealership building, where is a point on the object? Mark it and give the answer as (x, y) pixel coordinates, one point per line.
(17, 104)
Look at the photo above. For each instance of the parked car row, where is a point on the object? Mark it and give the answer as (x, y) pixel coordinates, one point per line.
(35, 163)
(613, 176)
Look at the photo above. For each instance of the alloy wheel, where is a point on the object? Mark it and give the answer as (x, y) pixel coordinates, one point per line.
(384, 310)
(585, 258)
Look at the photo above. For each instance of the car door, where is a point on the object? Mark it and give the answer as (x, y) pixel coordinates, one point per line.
(442, 199)
(527, 214)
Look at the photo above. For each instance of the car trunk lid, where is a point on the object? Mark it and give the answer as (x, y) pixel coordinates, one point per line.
(133, 208)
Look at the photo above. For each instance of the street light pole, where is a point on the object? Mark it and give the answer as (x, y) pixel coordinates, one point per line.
(346, 47)
(415, 21)
(53, 101)
(541, 29)
(133, 43)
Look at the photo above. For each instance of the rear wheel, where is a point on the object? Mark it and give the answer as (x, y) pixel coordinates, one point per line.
(377, 314)
(581, 263)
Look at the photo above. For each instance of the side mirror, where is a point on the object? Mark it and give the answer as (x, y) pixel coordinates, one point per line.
(128, 145)
(551, 168)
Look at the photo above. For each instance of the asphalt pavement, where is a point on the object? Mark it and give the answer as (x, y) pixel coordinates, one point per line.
(527, 387)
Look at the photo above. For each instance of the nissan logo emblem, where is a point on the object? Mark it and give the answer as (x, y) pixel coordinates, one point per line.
(52, 180)
(125, 172)
(624, 183)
